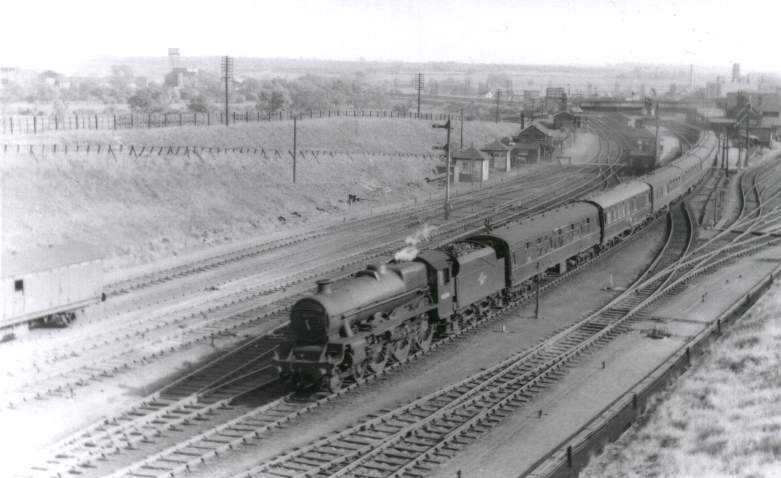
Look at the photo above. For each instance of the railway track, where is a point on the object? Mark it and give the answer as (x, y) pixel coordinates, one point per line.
(373, 451)
(231, 431)
(101, 440)
(227, 314)
(197, 323)
(413, 439)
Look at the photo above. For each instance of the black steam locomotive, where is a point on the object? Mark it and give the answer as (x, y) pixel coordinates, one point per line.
(359, 324)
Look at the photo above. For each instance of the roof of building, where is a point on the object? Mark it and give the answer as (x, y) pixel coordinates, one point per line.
(726, 121)
(711, 113)
(20, 263)
(495, 146)
(470, 154)
(544, 130)
(770, 122)
(564, 113)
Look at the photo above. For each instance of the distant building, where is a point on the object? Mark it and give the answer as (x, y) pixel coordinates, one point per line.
(555, 98)
(179, 77)
(7, 74)
(736, 72)
(713, 89)
(531, 94)
(565, 119)
(51, 77)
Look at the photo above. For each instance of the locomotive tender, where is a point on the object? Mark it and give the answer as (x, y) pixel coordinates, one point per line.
(359, 324)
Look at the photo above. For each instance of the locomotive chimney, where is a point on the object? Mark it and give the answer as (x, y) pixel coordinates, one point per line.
(324, 286)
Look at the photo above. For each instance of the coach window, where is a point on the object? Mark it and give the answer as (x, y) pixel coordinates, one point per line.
(19, 285)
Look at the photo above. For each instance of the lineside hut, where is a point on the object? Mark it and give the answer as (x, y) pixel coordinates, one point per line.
(472, 164)
(499, 154)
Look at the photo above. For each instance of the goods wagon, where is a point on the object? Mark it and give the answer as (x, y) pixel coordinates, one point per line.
(47, 289)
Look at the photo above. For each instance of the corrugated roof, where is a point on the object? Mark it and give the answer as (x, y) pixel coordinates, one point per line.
(470, 154)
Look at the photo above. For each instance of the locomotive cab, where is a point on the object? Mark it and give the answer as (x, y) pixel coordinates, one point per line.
(441, 283)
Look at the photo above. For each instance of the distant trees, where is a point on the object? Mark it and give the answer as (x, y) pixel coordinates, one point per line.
(200, 91)
(199, 104)
(149, 99)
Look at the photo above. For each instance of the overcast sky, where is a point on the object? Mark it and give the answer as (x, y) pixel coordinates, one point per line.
(62, 34)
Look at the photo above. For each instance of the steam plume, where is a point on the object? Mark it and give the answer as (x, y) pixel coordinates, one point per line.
(410, 251)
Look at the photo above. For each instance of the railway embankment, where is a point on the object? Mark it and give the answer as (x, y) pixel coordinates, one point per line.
(166, 197)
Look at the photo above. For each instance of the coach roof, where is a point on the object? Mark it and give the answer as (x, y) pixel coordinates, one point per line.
(618, 194)
(531, 228)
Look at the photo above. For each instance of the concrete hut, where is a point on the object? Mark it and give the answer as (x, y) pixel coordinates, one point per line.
(472, 164)
(499, 154)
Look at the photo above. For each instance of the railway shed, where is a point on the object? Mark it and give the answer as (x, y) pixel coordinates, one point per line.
(44, 286)
(471, 165)
(499, 154)
(538, 137)
(565, 119)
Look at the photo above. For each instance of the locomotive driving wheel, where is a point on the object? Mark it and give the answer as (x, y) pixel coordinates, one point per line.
(358, 370)
(401, 349)
(378, 360)
(424, 336)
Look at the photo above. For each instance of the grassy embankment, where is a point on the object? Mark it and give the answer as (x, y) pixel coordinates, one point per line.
(722, 418)
(140, 208)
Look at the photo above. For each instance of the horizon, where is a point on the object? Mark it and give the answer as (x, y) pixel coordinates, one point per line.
(591, 33)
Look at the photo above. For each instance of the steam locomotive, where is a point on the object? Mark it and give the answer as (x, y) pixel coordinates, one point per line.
(360, 324)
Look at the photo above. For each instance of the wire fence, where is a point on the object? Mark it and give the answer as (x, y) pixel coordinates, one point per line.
(23, 125)
(41, 150)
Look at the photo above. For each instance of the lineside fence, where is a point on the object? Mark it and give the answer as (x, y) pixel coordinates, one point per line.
(41, 150)
(40, 123)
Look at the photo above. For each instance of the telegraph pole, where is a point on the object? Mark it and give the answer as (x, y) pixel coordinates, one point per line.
(461, 142)
(226, 66)
(498, 99)
(446, 147)
(295, 155)
(419, 88)
(747, 143)
(537, 301)
(656, 141)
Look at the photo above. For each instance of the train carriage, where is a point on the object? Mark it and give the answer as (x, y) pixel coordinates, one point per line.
(665, 184)
(692, 169)
(622, 209)
(555, 240)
